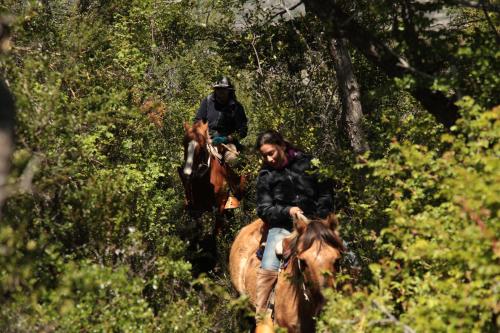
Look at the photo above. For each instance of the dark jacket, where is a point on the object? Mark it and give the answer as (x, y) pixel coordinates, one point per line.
(223, 120)
(297, 184)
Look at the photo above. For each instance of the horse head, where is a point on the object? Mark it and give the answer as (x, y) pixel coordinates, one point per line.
(195, 151)
(317, 248)
(203, 175)
(195, 172)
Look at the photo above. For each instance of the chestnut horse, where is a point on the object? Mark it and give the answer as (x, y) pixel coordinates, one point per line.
(311, 254)
(205, 177)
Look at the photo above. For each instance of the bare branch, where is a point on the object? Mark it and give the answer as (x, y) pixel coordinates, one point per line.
(384, 57)
(285, 10)
(391, 319)
(25, 181)
(259, 70)
(488, 18)
(259, 67)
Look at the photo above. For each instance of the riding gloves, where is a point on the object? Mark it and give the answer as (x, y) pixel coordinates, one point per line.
(219, 139)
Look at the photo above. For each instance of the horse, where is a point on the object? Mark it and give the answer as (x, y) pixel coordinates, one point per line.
(205, 176)
(311, 253)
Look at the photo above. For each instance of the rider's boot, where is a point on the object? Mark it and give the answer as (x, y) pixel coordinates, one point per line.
(266, 280)
(233, 160)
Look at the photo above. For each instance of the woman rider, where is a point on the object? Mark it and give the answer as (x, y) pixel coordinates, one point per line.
(286, 186)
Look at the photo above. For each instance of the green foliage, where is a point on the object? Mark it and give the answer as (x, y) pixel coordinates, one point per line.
(92, 298)
(97, 241)
(102, 89)
(439, 268)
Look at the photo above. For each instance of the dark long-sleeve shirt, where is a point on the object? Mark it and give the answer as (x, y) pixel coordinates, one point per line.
(229, 119)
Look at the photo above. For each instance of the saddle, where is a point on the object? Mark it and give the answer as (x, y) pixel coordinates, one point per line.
(232, 178)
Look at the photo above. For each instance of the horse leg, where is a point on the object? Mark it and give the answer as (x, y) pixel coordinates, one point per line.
(197, 233)
(242, 182)
(208, 247)
(220, 223)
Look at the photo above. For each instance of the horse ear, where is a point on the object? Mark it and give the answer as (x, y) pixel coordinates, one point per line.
(186, 126)
(299, 225)
(332, 222)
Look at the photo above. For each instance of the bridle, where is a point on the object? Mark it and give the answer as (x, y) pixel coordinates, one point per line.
(295, 257)
(198, 171)
(305, 291)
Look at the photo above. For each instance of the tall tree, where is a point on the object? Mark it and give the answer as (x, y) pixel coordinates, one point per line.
(7, 114)
(352, 111)
(341, 24)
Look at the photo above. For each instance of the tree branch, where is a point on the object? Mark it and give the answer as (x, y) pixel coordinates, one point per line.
(488, 18)
(395, 66)
(285, 10)
(391, 319)
(259, 69)
(475, 4)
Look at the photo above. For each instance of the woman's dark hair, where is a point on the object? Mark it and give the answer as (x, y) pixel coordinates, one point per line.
(271, 137)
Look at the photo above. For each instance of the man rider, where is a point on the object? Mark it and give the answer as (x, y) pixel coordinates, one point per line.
(227, 122)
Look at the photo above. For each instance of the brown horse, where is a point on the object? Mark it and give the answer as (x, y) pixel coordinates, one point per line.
(205, 176)
(311, 254)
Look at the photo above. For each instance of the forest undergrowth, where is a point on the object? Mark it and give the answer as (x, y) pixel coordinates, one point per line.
(98, 240)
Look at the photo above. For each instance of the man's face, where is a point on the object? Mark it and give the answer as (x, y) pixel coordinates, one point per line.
(222, 95)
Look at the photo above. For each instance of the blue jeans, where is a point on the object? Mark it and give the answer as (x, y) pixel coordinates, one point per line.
(269, 260)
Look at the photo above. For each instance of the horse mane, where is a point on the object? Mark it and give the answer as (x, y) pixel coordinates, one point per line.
(196, 133)
(316, 230)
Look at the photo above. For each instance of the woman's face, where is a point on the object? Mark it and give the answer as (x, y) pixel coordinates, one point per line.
(274, 155)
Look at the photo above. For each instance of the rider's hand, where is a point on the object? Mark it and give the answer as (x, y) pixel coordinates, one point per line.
(294, 211)
(219, 139)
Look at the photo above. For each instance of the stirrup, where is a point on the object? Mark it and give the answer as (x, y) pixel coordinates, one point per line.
(265, 326)
(232, 202)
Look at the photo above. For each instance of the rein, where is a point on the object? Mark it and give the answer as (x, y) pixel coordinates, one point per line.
(210, 151)
(201, 170)
(204, 166)
(305, 291)
(286, 260)
(284, 264)
(207, 165)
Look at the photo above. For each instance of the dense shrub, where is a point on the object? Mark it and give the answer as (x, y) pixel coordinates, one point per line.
(439, 267)
(93, 235)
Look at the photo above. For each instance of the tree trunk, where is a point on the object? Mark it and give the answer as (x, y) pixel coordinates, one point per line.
(7, 120)
(7, 114)
(341, 25)
(352, 111)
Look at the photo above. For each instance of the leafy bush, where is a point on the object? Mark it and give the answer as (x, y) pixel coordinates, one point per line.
(438, 269)
(94, 238)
